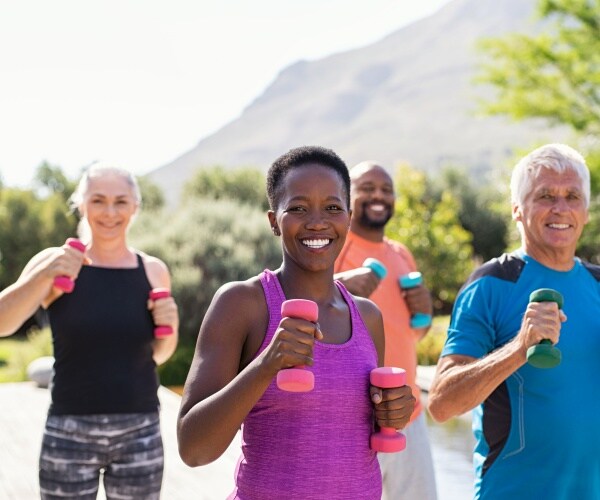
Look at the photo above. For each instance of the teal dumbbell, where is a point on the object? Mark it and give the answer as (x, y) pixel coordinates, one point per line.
(411, 280)
(545, 355)
(377, 267)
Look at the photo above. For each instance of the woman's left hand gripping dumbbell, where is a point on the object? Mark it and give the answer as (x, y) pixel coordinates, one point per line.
(164, 312)
(393, 405)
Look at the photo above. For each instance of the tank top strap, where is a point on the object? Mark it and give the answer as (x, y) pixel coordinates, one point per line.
(359, 328)
(274, 296)
(141, 269)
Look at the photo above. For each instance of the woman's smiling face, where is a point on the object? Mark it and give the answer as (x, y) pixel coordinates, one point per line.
(109, 204)
(312, 216)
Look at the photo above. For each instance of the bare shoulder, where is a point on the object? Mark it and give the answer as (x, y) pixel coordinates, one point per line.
(245, 297)
(368, 310)
(156, 270)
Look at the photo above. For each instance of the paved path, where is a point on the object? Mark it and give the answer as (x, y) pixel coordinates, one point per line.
(23, 410)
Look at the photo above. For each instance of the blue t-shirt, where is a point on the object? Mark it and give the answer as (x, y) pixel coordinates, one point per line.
(538, 434)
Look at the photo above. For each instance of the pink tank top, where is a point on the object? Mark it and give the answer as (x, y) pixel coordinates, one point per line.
(313, 445)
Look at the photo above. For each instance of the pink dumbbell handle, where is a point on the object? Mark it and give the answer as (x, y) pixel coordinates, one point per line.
(161, 331)
(388, 439)
(298, 379)
(65, 283)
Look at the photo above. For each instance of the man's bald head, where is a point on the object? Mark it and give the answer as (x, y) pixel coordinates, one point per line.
(366, 166)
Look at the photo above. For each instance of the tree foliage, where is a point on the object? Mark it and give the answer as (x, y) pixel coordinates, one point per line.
(483, 212)
(28, 224)
(246, 185)
(552, 75)
(205, 244)
(429, 226)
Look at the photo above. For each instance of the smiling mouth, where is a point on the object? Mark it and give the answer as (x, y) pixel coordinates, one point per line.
(316, 243)
(559, 226)
(377, 207)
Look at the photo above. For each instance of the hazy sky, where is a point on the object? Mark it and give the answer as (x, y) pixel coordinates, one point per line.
(141, 82)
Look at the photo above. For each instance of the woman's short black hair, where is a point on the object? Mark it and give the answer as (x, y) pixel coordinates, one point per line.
(298, 157)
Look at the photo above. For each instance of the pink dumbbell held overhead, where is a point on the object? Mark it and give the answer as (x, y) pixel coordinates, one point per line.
(388, 439)
(298, 379)
(65, 283)
(161, 331)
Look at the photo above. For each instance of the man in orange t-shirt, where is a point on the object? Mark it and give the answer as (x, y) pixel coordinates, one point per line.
(408, 474)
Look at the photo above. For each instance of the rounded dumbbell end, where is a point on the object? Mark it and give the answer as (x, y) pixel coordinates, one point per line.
(76, 244)
(300, 308)
(420, 320)
(296, 380)
(388, 440)
(387, 377)
(544, 355)
(64, 283)
(547, 295)
(159, 293)
(377, 267)
(411, 280)
(160, 332)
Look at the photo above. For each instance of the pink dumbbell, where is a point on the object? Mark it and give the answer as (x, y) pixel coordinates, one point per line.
(65, 283)
(161, 331)
(388, 439)
(298, 379)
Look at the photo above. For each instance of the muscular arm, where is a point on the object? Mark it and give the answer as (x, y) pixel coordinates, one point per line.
(463, 382)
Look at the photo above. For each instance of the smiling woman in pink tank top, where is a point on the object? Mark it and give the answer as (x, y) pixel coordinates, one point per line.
(308, 445)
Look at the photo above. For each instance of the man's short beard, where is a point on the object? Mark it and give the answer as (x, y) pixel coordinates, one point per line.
(374, 224)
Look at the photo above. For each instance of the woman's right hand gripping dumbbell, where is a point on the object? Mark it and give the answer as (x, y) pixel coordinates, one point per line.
(65, 263)
(292, 349)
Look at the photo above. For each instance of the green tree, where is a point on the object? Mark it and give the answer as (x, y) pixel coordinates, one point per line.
(54, 181)
(429, 226)
(484, 212)
(246, 185)
(552, 75)
(152, 196)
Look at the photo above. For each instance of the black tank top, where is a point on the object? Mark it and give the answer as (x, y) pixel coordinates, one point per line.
(102, 334)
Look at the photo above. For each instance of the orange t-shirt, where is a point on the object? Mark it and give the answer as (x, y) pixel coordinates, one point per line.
(400, 340)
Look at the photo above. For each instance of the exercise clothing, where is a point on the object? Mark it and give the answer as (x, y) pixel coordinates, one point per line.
(313, 445)
(537, 433)
(400, 338)
(125, 449)
(103, 334)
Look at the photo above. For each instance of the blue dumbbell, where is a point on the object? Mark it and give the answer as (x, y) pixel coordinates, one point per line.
(411, 280)
(377, 267)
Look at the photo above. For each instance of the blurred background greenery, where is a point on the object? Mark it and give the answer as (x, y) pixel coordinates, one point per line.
(451, 221)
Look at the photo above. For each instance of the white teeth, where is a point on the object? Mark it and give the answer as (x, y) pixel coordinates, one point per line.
(559, 226)
(320, 243)
(377, 208)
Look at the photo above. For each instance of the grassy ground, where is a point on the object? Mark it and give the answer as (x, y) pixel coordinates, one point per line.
(17, 353)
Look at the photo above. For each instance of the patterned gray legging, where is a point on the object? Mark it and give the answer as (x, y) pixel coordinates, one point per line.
(126, 448)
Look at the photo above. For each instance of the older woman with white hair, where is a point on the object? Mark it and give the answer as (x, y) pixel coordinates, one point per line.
(103, 419)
